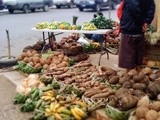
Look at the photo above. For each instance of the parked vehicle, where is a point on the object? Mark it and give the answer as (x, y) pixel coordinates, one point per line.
(1, 5)
(26, 5)
(96, 5)
(60, 3)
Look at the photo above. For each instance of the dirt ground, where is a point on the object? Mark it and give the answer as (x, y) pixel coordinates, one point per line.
(9, 111)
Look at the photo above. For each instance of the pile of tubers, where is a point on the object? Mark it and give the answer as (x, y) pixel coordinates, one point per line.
(35, 59)
(146, 110)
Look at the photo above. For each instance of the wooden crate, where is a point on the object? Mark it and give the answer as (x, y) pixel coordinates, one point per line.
(152, 52)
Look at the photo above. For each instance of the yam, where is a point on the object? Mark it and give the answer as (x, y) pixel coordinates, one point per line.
(141, 112)
(126, 84)
(123, 79)
(138, 93)
(151, 115)
(114, 80)
(153, 77)
(155, 106)
(139, 86)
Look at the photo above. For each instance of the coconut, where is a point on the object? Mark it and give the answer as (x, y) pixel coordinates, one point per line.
(141, 112)
(23, 55)
(20, 58)
(28, 53)
(45, 66)
(25, 60)
(65, 58)
(32, 64)
(147, 70)
(38, 65)
(144, 101)
(36, 60)
(151, 115)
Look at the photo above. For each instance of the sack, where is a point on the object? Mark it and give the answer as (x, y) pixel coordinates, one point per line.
(120, 9)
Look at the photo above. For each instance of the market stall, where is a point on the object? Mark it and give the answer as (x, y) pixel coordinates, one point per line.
(63, 89)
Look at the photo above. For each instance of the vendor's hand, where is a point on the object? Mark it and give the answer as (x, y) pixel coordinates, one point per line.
(144, 27)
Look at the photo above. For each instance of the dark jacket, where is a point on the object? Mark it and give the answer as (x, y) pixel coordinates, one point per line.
(135, 14)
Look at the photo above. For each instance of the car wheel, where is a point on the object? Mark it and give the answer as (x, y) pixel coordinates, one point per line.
(11, 11)
(80, 9)
(5, 62)
(46, 8)
(97, 8)
(25, 8)
(58, 6)
(32, 10)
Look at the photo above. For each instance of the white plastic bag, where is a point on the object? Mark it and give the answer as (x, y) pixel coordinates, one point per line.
(83, 41)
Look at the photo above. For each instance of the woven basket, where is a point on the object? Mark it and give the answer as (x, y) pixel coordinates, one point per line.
(94, 104)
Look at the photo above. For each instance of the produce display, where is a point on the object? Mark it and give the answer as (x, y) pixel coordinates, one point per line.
(146, 109)
(70, 46)
(88, 26)
(49, 102)
(57, 25)
(38, 61)
(102, 23)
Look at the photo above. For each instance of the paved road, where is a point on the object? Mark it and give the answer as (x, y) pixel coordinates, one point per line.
(19, 26)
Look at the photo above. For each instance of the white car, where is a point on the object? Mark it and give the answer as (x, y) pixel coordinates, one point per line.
(68, 3)
(26, 5)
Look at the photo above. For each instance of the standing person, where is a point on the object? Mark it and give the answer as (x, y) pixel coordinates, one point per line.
(136, 15)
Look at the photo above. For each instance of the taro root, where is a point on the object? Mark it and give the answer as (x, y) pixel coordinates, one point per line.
(132, 73)
(114, 80)
(139, 86)
(139, 77)
(127, 84)
(123, 79)
(138, 93)
(124, 99)
(153, 77)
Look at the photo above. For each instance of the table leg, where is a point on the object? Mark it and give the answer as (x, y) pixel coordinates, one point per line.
(44, 42)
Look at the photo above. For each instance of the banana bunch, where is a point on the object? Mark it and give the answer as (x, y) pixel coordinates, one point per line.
(78, 113)
(89, 26)
(95, 44)
(42, 25)
(53, 25)
(58, 112)
(64, 26)
(49, 95)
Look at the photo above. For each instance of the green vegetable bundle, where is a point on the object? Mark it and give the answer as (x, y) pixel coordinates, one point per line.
(26, 68)
(102, 23)
(116, 114)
